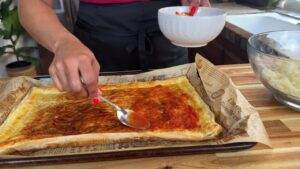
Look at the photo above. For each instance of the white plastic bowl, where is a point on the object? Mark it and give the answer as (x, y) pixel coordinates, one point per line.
(191, 31)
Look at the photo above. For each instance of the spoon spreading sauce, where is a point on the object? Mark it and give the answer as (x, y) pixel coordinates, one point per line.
(137, 120)
(132, 119)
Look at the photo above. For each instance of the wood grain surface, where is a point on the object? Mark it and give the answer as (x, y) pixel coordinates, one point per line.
(282, 125)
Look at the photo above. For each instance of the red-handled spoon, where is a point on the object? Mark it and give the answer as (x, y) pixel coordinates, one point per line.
(193, 10)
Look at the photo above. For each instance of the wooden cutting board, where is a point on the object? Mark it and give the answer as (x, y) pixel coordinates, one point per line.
(281, 122)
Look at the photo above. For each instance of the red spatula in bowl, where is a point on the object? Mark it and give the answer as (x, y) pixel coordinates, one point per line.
(193, 10)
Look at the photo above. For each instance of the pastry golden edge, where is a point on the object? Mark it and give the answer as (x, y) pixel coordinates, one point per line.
(17, 119)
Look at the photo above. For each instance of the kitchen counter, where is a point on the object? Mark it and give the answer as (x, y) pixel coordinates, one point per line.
(233, 8)
(252, 21)
(248, 24)
(281, 123)
(230, 47)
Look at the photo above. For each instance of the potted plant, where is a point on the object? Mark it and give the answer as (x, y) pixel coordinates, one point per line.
(11, 31)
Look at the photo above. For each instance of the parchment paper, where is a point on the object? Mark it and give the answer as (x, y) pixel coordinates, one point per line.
(239, 119)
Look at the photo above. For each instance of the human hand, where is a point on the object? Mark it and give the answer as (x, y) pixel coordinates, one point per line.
(204, 3)
(74, 68)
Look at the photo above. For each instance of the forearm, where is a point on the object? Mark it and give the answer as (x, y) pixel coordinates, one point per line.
(39, 19)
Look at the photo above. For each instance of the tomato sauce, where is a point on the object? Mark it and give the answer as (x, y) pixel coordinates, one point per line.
(165, 107)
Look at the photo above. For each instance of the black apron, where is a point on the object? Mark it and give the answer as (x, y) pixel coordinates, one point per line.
(127, 36)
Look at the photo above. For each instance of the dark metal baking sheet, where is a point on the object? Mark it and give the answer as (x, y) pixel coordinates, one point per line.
(160, 152)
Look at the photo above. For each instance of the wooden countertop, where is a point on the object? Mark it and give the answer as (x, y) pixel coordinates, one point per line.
(282, 125)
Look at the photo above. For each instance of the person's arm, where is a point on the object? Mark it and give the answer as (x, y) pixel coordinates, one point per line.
(73, 62)
(196, 2)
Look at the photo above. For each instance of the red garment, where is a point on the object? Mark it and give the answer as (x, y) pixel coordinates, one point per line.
(109, 1)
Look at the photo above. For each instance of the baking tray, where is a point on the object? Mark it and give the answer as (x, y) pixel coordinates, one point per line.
(92, 157)
(126, 154)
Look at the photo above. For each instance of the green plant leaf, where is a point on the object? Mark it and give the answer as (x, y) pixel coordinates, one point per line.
(8, 46)
(25, 50)
(12, 23)
(4, 34)
(4, 8)
(29, 58)
(2, 50)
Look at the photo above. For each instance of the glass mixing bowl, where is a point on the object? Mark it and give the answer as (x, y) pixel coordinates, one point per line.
(275, 59)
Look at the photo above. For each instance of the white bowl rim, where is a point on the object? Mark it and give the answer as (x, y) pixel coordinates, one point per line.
(266, 54)
(222, 12)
